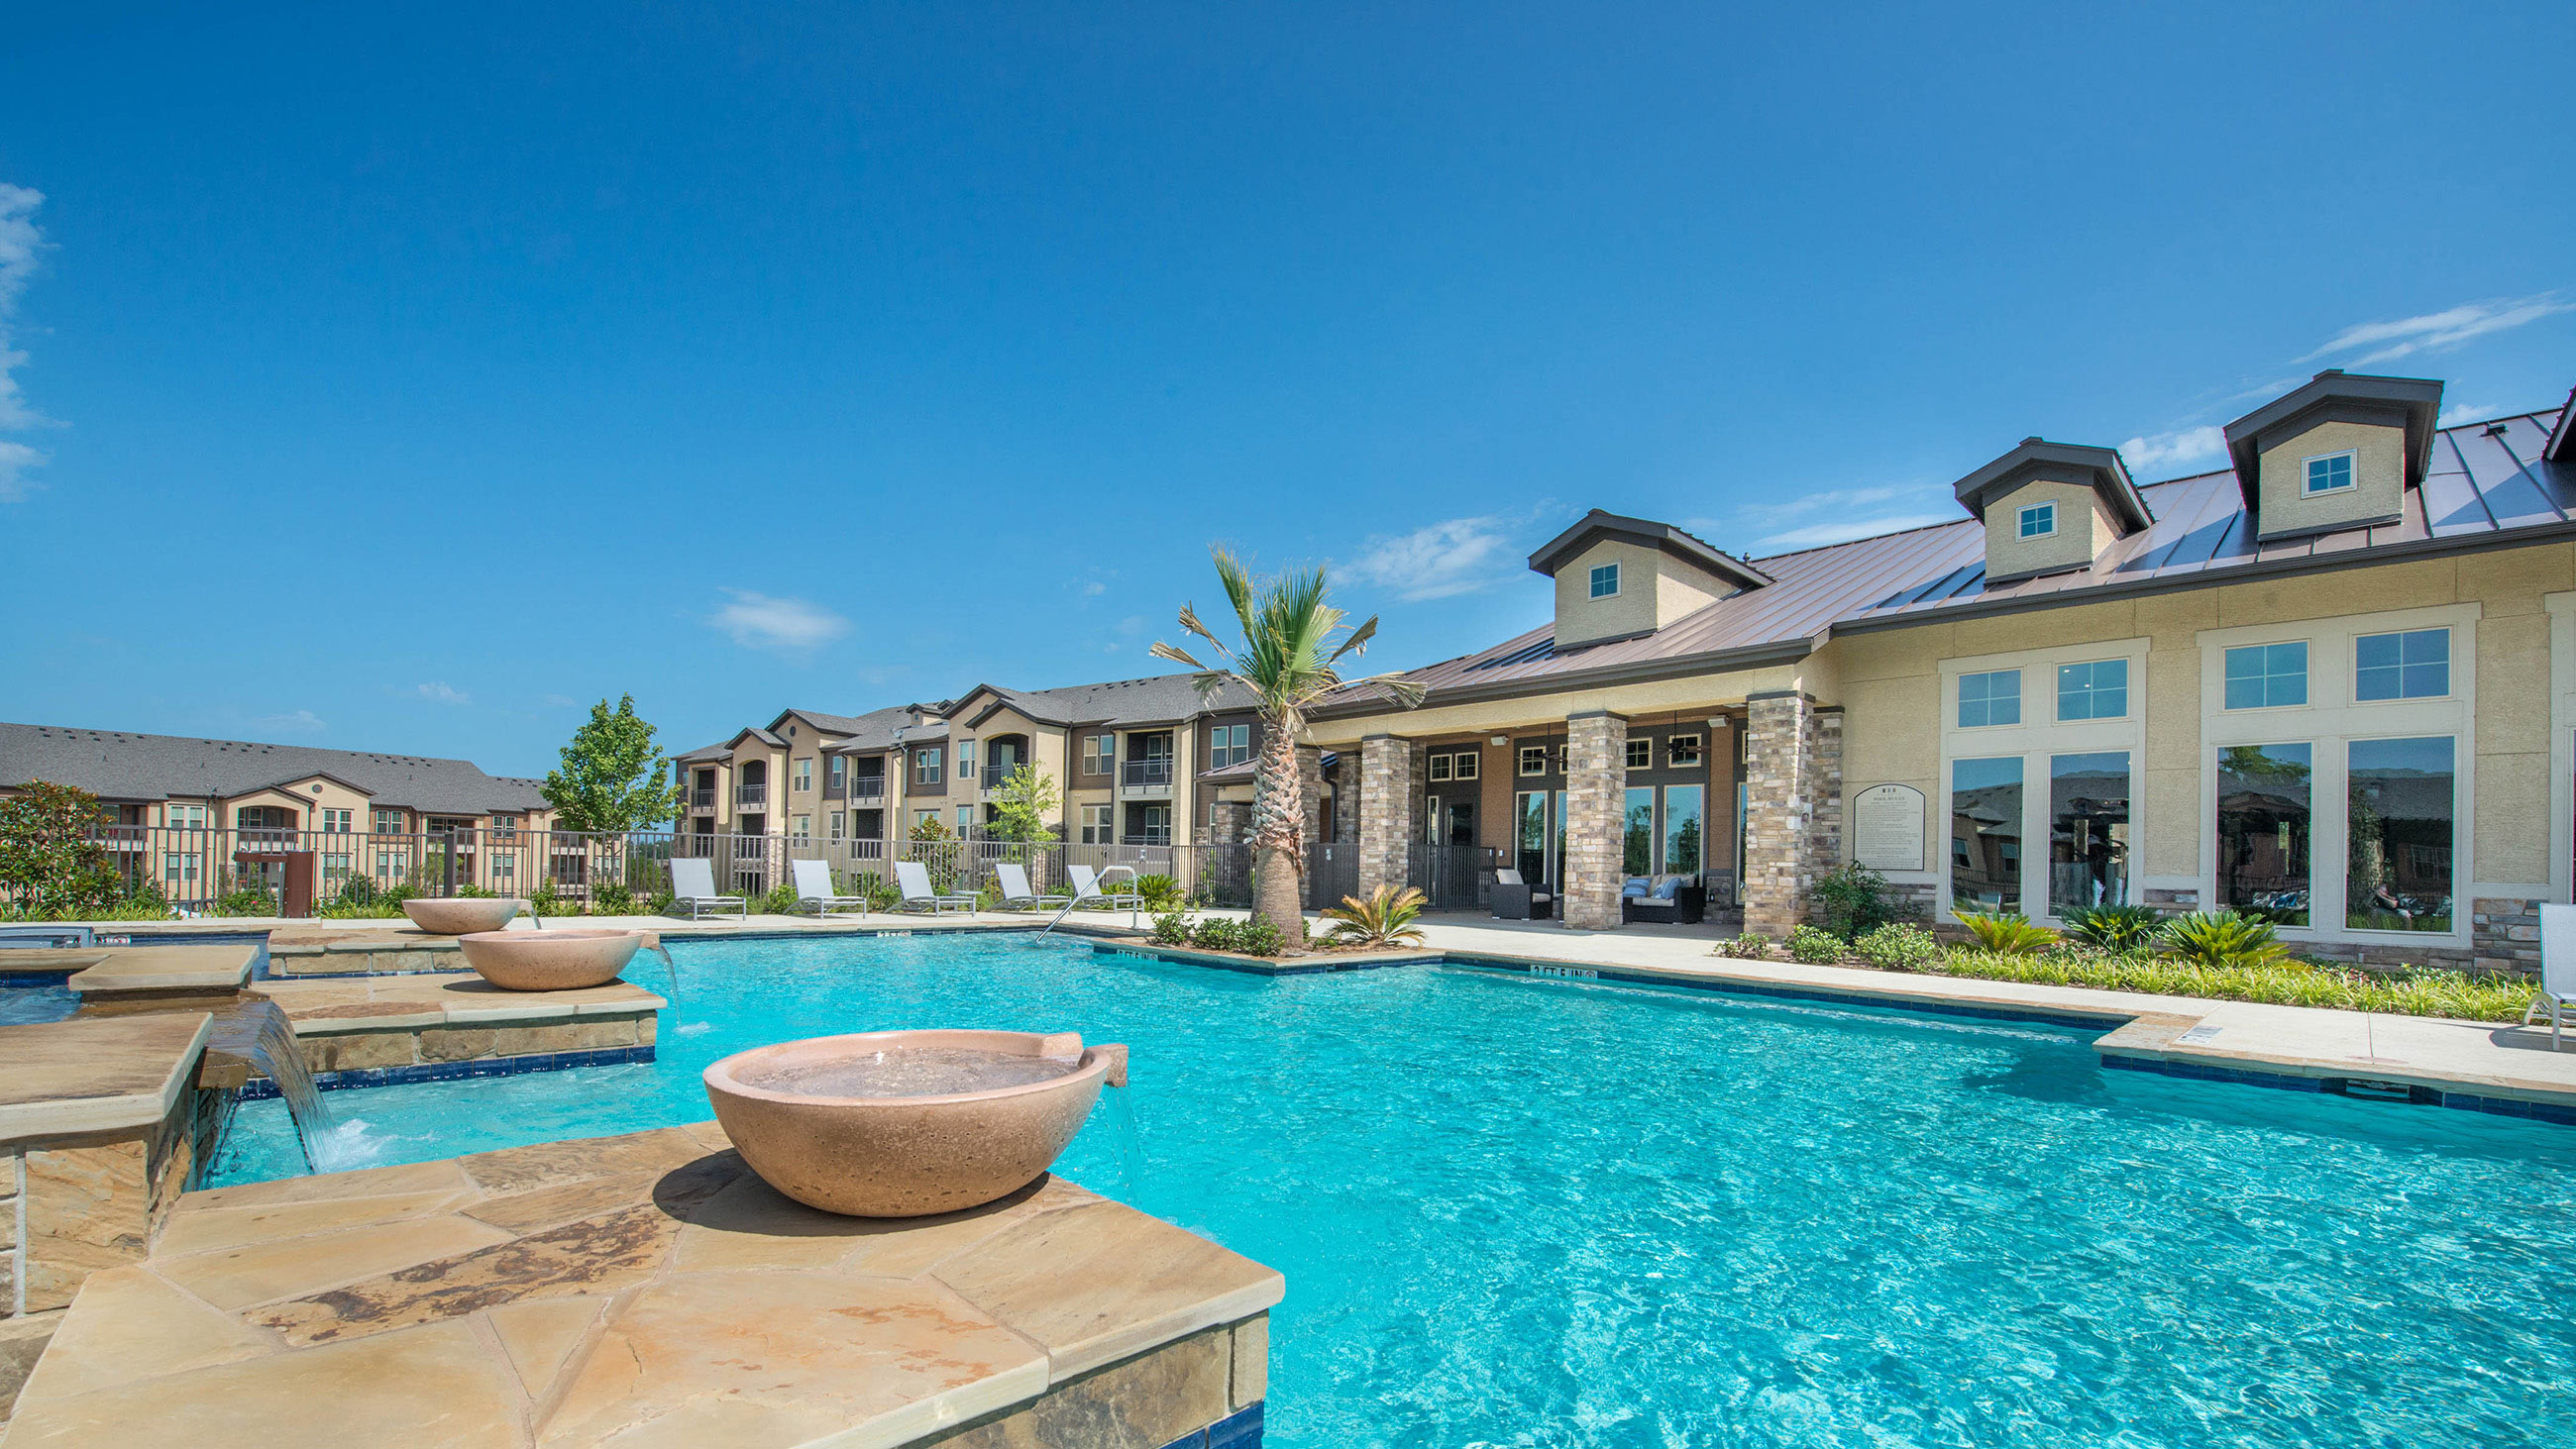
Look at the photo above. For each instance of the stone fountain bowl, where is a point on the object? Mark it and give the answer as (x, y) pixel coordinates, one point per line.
(549, 960)
(458, 915)
(892, 1149)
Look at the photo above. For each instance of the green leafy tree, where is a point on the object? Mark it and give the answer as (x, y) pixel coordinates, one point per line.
(50, 859)
(1020, 814)
(612, 778)
(1293, 643)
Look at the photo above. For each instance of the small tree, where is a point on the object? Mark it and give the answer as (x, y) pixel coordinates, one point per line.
(49, 859)
(1020, 815)
(612, 779)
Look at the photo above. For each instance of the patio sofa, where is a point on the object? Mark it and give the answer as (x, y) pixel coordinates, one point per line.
(1678, 899)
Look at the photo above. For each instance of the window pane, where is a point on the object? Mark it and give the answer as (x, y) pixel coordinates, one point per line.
(1682, 829)
(1993, 698)
(1985, 834)
(2088, 830)
(2098, 690)
(2412, 665)
(2267, 676)
(1638, 834)
(1529, 836)
(2402, 805)
(2263, 831)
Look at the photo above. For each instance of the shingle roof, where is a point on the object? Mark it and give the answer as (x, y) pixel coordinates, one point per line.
(1151, 700)
(2486, 485)
(117, 765)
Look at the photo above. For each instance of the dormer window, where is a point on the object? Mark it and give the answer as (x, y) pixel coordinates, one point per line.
(1605, 581)
(1619, 578)
(2039, 520)
(2331, 473)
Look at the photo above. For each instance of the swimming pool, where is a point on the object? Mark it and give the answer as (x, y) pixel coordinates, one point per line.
(1515, 1211)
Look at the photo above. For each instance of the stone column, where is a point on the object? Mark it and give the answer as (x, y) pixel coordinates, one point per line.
(1387, 810)
(1793, 828)
(1596, 778)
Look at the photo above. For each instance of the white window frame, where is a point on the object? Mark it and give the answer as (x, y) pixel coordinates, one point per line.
(2352, 656)
(1698, 755)
(1437, 768)
(2044, 513)
(2328, 723)
(2351, 475)
(2308, 674)
(1464, 767)
(1950, 702)
(2036, 741)
(1605, 573)
(1524, 758)
(1100, 750)
(2128, 688)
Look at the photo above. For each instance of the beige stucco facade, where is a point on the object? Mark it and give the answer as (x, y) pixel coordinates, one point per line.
(2083, 528)
(2379, 479)
(1655, 588)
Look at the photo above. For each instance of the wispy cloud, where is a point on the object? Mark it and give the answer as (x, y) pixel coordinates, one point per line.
(2156, 453)
(1094, 589)
(442, 693)
(558, 701)
(2447, 328)
(1793, 523)
(1844, 530)
(303, 721)
(757, 621)
(1440, 560)
(2458, 413)
(19, 245)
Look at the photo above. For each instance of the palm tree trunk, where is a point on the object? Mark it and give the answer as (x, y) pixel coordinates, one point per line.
(1278, 835)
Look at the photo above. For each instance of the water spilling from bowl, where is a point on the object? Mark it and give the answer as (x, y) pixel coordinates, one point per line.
(910, 1072)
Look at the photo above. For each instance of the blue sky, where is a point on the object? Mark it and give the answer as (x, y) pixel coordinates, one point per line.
(407, 379)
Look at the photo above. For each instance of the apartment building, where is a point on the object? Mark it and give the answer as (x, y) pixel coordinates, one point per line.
(1140, 762)
(190, 814)
(2333, 682)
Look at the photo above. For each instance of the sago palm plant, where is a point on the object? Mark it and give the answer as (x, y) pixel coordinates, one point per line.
(2221, 938)
(1290, 656)
(2010, 934)
(2114, 928)
(1386, 918)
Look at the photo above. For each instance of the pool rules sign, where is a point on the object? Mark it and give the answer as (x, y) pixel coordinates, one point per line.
(1887, 828)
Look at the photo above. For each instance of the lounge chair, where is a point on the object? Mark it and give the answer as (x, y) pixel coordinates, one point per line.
(814, 888)
(1515, 900)
(914, 878)
(693, 885)
(1016, 895)
(2557, 994)
(1088, 886)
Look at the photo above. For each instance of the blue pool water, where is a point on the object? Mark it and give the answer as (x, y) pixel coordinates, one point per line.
(1524, 1212)
(22, 1004)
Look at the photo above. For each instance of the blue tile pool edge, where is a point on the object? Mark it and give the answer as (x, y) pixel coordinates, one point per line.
(261, 1089)
(1238, 1430)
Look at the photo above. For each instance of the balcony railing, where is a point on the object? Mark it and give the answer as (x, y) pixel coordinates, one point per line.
(1146, 772)
(751, 794)
(867, 787)
(999, 772)
(703, 797)
(1146, 837)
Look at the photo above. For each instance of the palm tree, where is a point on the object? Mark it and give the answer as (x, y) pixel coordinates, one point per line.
(1287, 661)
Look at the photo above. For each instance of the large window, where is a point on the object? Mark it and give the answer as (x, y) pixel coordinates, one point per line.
(2088, 831)
(1529, 835)
(1605, 581)
(2097, 690)
(2412, 665)
(2265, 816)
(1637, 833)
(1684, 830)
(1991, 698)
(193, 817)
(1096, 829)
(925, 766)
(1098, 751)
(804, 776)
(1228, 745)
(2267, 676)
(966, 762)
(2401, 806)
(1985, 834)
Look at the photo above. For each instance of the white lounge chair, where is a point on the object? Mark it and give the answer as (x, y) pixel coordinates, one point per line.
(2557, 995)
(693, 885)
(1088, 886)
(914, 878)
(814, 888)
(1016, 895)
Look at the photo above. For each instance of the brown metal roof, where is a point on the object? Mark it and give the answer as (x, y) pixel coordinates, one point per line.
(2487, 485)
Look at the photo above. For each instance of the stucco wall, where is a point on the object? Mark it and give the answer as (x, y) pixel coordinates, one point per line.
(2379, 478)
(1655, 588)
(2080, 530)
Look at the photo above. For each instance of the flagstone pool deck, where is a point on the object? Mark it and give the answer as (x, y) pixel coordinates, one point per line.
(649, 1290)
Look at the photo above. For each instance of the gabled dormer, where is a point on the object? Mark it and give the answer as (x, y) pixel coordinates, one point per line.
(2051, 507)
(2338, 452)
(1618, 577)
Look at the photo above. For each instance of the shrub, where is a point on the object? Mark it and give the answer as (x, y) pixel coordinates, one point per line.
(1217, 933)
(1897, 947)
(2220, 938)
(1855, 901)
(1386, 918)
(1816, 946)
(545, 902)
(1161, 892)
(780, 901)
(612, 898)
(2005, 934)
(661, 902)
(145, 901)
(1260, 937)
(2113, 928)
(1171, 929)
(1748, 947)
(883, 895)
(48, 860)
(246, 901)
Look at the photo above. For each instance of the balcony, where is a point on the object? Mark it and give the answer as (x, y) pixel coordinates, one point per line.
(867, 787)
(750, 796)
(1150, 776)
(703, 798)
(1146, 837)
